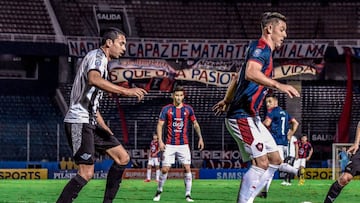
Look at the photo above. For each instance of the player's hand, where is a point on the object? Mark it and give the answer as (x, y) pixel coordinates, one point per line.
(201, 144)
(220, 107)
(353, 149)
(138, 92)
(161, 146)
(289, 90)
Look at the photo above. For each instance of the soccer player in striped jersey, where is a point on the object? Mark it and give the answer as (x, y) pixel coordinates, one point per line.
(305, 151)
(176, 118)
(153, 159)
(243, 100)
(85, 128)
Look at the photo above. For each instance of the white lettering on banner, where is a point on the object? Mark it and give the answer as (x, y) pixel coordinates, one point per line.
(322, 137)
(214, 77)
(195, 154)
(108, 16)
(229, 175)
(69, 175)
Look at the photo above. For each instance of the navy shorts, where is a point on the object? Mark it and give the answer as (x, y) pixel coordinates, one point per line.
(353, 167)
(86, 139)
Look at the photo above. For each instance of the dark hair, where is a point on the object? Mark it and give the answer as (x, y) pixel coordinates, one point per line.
(268, 17)
(111, 33)
(178, 88)
(304, 135)
(272, 96)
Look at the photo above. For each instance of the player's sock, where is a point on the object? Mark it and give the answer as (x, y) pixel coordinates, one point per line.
(148, 174)
(72, 189)
(249, 182)
(268, 184)
(264, 179)
(113, 181)
(285, 167)
(162, 180)
(157, 174)
(188, 183)
(334, 191)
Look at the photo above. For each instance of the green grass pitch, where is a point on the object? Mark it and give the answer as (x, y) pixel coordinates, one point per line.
(137, 191)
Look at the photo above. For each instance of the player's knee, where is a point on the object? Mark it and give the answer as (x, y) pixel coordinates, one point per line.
(345, 179)
(165, 170)
(87, 175)
(124, 160)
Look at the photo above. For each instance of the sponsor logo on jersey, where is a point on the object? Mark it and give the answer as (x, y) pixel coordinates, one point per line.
(86, 156)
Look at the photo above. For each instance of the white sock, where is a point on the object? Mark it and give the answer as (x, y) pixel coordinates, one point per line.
(264, 179)
(148, 174)
(188, 183)
(162, 180)
(288, 168)
(268, 184)
(249, 182)
(157, 174)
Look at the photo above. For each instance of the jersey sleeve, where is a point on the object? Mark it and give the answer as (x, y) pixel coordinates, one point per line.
(162, 115)
(97, 62)
(258, 55)
(191, 113)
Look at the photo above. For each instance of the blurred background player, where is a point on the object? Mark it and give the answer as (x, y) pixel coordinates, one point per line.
(343, 159)
(85, 128)
(352, 169)
(282, 127)
(243, 100)
(154, 159)
(177, 116)
(304, 154)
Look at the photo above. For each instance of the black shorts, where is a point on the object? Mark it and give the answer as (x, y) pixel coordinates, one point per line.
(353, 167)
(85, 139)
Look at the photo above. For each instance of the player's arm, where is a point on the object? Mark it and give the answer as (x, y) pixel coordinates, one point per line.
(102, 123)
(253, 73)
(96, 80)
(294, 127)
(159, 129)
(310, 154)
(198, 132)
(296, 150)
(222, 105)
(267, 122)
(355, 146)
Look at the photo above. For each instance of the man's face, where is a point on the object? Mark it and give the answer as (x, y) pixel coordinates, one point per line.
(303, 139)
(155, 138)
(178, 97)
(270, 102)
(278, 33)
(118, 47)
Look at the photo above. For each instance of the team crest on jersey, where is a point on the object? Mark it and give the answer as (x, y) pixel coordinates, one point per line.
(259, 146)
(257, 52)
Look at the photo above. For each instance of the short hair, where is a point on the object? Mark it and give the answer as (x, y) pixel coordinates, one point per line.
(303, 135)
(178, 88)
(272, 96)
(268, 17)
(111, 33)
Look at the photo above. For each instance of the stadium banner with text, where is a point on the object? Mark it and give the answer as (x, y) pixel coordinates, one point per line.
(139, 69)
(110, 17)
(68, 174)
(26, 174)
(225, 174)
(187, 49)
(174, 173)
(354, 50)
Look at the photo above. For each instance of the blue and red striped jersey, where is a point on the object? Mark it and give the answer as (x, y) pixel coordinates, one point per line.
(249, 95)
(304, 149)
(177, 122)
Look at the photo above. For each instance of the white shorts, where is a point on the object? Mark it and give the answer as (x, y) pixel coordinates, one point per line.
(300, 162)
(252, 135)
(181, 151)
(154, 161)
(283, 151)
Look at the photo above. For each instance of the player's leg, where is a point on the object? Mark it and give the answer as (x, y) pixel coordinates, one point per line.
(169, 159)
(246, 130)
(109, 144)
(157, 169)
(352, 169)
(148, 170)
(302, 171)
(184, 157)
(81, 140)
